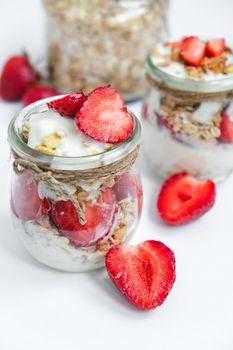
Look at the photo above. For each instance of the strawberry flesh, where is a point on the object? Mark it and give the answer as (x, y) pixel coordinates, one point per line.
(17, 76)
(128, 186)
(68, 106)
(100, 220)
(226, 127)
(192, 51)
(104, 117)
(183, 199)
(38, 93)
(25, 201)
(145, 273)
(215, 47)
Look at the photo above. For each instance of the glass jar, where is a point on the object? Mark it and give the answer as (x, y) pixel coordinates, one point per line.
(182, 124)
(102, 42)
(97, 198)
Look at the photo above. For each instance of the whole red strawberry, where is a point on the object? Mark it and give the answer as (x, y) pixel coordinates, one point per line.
(69, 105)
(183, 198)
(38, 93)
(145, 273)
(17, 76)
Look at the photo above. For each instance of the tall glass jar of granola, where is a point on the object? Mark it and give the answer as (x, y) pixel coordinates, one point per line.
(67, 210)
(188, 113)
(101, 42)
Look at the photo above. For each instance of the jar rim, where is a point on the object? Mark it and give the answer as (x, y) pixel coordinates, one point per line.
(185, 84)
(61, 162)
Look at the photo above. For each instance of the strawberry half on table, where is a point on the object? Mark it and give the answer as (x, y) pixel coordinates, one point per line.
(69, 105)
(25, 201)
(100, 218)
(183, 198)
(104, 117)
(144, 273)
(17, 76)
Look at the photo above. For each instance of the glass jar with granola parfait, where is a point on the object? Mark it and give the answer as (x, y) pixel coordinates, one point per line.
(101, 42)
(188, 113)
(76, 188)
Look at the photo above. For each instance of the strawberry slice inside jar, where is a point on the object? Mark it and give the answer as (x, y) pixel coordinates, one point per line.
(100, 216)
(25, 201)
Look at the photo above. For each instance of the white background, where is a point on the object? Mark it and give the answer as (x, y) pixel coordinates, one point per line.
(45, 309)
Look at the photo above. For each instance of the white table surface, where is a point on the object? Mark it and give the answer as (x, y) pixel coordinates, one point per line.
(44, 309)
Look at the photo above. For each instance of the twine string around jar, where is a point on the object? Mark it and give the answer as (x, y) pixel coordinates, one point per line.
(182, 97)
(54, 178)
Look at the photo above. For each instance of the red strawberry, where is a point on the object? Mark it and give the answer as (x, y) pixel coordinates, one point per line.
(126, 186)
(192, 51)
(226, 128)
(69, 105)
(144, 273)
(183, 199)
(17, 76)
(145, 113)
(215, 47)
(38, 93)
(100, 219)
(104, 117)
(25, 201)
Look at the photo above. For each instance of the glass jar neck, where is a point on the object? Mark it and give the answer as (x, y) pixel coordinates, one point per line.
(66, 163)
(213, 86)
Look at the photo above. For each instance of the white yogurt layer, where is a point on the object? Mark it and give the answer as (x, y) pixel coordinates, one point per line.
(168, 156)
(45, 244)
(73, 141)
(177, 69)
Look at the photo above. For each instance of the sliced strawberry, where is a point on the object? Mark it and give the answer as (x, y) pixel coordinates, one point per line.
(104, 117)
(128, 186)
(140, 197)
(17, 76)
(45, 207)
(215, 47)
(226, 128)
(145, 113)
(38, 93)
(183, 199)
(192, 51)
(100, 220)
(125, 186)
(25, 201)
(144, 273)
(68, 106)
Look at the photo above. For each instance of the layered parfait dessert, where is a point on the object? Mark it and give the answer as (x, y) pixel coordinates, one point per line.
(188, 113)
(76, 190)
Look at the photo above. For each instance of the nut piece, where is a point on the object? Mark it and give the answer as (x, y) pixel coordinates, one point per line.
(228, 69)
(52, 141)
(45, 150)
(25, 131)
(82, 196)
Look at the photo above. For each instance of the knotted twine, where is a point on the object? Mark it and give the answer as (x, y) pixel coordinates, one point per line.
(57, 179)
(189, 98)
